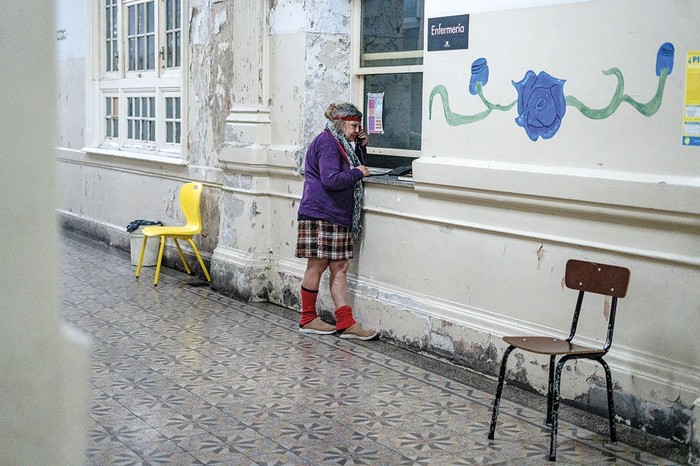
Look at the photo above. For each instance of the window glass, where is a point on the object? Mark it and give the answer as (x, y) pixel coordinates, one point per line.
(402, 111)
(111, 36)
(141, 119)
(141, 37)
(111, 117)
(391, 37)
(392, 32)
(172, 120)
(144, 114)
(172, 33)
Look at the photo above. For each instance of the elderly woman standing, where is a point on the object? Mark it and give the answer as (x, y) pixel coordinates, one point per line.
(329, 218)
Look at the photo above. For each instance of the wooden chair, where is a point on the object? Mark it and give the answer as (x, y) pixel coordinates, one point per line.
(585, 277)
(190, 194)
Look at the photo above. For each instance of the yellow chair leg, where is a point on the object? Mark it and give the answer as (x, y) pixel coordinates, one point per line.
(199, 258)
(182, 257)
(180, 253)
(143, 250)
(160, 259)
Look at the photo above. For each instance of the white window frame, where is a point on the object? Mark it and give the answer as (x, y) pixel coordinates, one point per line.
(360, 72)
(122, 83)
(168, 94)
(140, 119)
(136, 63)
(109, 117)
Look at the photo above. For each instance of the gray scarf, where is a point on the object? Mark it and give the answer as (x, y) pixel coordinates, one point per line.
(358, 188)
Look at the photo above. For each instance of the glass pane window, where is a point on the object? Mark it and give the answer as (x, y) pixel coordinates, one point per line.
(141, 119)
(141, 36)
(111, 36)
(140, 44)
(173, 33)
(111, 117)
(391, 38)
(172, 120)
(392, 33)
(402, 112)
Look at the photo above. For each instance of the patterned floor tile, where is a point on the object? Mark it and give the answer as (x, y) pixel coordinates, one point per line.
(118, 455)
(184, 375)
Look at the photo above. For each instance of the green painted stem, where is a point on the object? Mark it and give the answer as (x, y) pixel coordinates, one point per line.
(453, 119)
(651, 107)
(600, 113)
(503, 108)
(646, 109)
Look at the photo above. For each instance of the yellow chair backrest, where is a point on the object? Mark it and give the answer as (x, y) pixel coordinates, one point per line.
(190, 194)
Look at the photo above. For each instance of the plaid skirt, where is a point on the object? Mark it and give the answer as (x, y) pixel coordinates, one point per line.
(323, 240)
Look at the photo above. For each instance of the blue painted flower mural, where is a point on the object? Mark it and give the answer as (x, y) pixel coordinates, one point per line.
(541, 103)
(480, 74)
(664, 58)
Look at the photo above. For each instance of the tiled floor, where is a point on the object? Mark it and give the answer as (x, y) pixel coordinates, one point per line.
(183, 375)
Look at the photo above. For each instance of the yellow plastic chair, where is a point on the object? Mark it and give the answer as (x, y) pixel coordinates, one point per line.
(190, 193)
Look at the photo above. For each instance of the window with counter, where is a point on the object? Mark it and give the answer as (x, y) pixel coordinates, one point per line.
(389, 69)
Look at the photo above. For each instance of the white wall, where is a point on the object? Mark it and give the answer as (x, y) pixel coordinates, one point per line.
(70, 21)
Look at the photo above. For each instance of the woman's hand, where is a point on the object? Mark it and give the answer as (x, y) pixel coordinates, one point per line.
(363, 169)
(362, 136)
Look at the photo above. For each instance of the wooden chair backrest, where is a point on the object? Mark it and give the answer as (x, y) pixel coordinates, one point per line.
(603, 279)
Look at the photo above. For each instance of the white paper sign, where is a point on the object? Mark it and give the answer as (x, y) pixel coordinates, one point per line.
(375, 107)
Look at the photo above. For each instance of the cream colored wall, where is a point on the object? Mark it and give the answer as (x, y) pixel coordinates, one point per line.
(507, 212)
(575, 42)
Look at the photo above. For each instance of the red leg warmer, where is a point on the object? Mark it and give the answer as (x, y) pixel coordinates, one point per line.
(308, 306)
(343, 318)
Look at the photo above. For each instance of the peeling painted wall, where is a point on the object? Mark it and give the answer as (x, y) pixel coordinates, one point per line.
(210, 83)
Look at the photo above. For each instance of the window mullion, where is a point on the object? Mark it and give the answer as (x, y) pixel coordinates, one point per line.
(123, 39)
(160, 13)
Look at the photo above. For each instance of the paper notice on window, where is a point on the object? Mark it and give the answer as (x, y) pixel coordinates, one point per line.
(375, 107)
(691, 114)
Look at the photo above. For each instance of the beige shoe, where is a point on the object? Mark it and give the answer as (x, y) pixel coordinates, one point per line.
(318, 327)
(358, 332)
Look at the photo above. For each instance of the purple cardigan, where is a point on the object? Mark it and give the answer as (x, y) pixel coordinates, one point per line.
(328, 182)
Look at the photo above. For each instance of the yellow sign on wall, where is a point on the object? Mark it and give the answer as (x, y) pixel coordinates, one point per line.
(691, 107)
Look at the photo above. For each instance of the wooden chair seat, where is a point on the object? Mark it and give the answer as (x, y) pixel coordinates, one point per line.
(550, 345)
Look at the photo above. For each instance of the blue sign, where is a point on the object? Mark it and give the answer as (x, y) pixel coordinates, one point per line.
(448, 33)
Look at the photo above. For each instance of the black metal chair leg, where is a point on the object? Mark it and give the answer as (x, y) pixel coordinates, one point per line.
(550, 391)
(611, 403)
(499, 390)
(555, 409)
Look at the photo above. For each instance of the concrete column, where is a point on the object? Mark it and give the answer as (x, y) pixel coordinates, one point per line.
(44, 390)
(248, 123)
